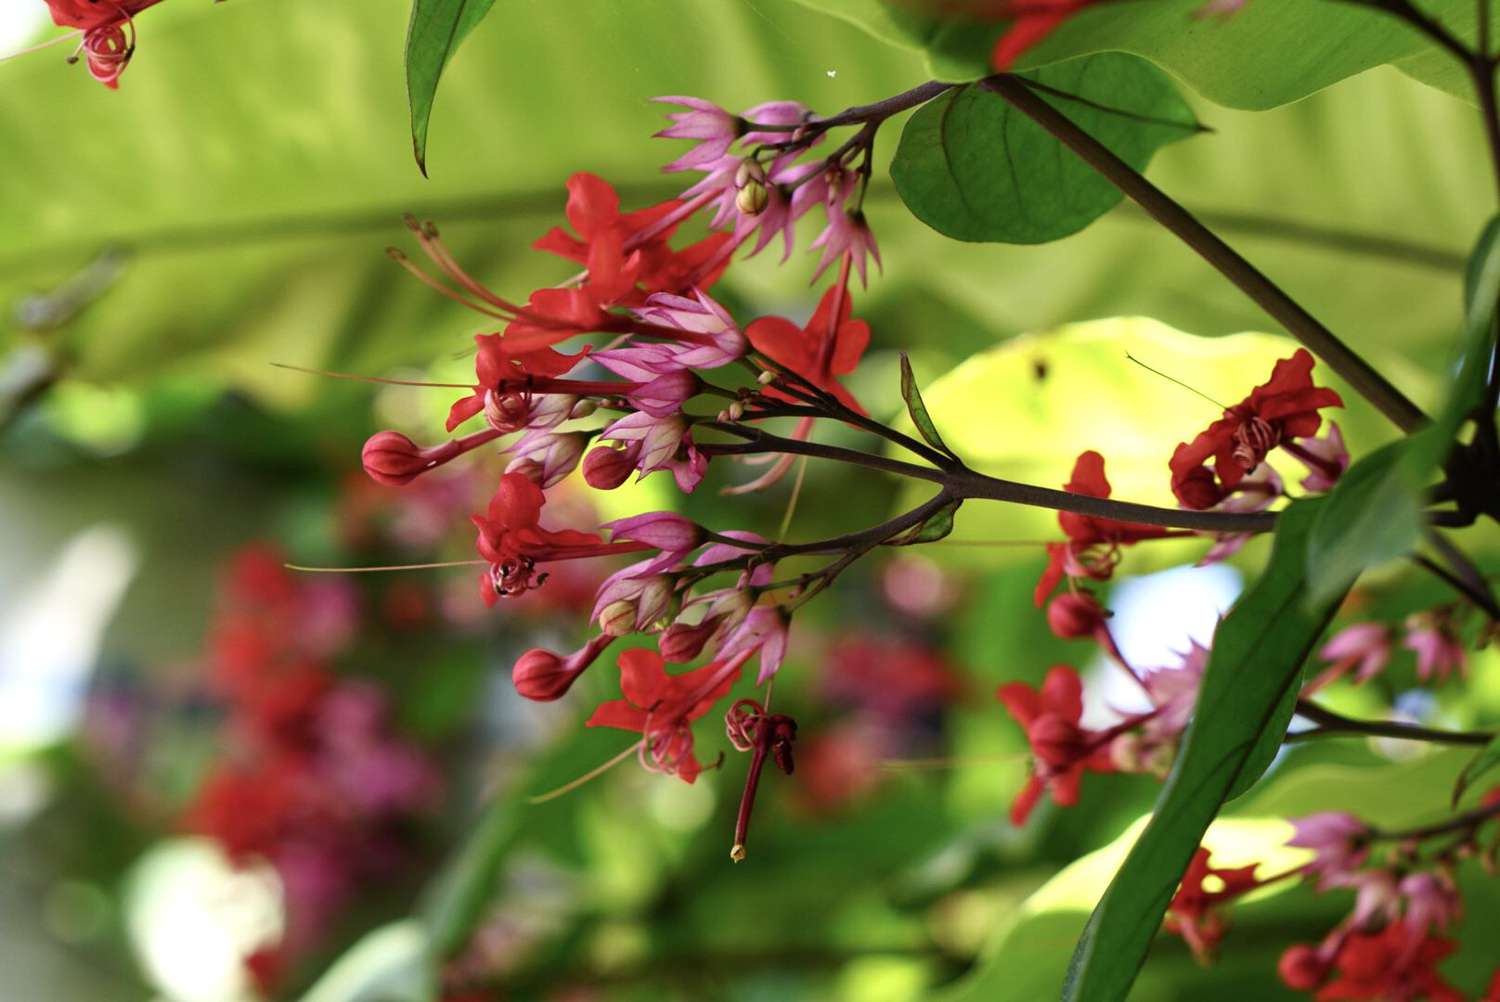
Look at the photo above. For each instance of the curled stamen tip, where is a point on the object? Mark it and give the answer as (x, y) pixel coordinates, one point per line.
(737, 852)
(395, 253)
(411, 222)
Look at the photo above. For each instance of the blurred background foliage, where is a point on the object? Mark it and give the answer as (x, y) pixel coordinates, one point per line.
(228, 209)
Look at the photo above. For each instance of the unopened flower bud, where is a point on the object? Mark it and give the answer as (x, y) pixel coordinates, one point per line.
(656, 601)
(550, 410)
(749, 172)
(1302, 969)
(605, 468)
(528, 468)
(766, 378)
(618, 618)
(583, 409)
(1073, 615)
(681, 643)
(665, 530)
(507, 411)
(752, 199)
(391, 458)
(543, 676)
(1127, 753)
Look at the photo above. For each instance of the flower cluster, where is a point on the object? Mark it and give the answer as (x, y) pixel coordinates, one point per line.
(314, 781)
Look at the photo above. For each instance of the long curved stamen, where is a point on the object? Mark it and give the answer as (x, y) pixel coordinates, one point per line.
(592, 774)
(369, 379)
(432, 244)
(392, 567)
(400, 258)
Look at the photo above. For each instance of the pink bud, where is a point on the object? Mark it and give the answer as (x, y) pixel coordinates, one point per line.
(391, 458)
(543, 676)
(605, 468)
(664, 530)
(681, 643)
(1072, 615)
(665, 395)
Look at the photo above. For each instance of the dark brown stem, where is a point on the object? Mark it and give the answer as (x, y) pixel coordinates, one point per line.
(1265, 293)
(1465, 822)
(879, 111)
(1331, 724)
(1464, 578)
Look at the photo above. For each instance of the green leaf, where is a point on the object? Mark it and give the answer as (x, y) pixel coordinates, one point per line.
(436, 30)
(1485, 761)
(455, 901)
(389, 964)
(1257, 656)
(1373, 515)
(974, 168)
(917, 409)
(1264, 56)
(939, 525)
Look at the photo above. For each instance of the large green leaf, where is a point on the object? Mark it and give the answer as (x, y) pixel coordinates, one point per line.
(1257, 656)
(1266, 55)
(256, 203)
(436, 30)
(973, 167)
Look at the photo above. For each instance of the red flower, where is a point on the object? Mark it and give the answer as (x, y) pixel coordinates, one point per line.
(1284, 407)
(627, 256)
(108, 32)
(1394, 965)
(821, 351)
(1093, 546)
(1034, 21)
(1062, 749)
(661, 707)
(513, 541)
(1192, 912)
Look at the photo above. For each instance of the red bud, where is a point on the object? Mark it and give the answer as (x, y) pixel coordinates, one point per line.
(391, 458)
(605, 468)
(543, 676)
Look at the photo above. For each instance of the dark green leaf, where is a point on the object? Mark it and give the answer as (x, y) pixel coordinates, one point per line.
(917, 409)
(436, 30)
(939, 525)
(1257, 656)
(1264, 56)
(1373, 515)
(973, 168)
(1481, 298)
(1485, 761)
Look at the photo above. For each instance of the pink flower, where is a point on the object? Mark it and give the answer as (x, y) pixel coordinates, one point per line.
(660, 443)
(1431, 901)
(713, 127)
(1364, 647)
(1341, 842)
(1174, 691)
(763, 631)
(847, 234)
(1326, 459)
(1438, 651)
(548, 455)
(709, 334)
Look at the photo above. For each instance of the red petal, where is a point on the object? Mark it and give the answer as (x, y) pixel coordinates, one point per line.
(1020, 808)
(618, 713)
(1088, 476)
(853, 339)
(593, 206)
(517, 503)
(1021, 700)
(781, 340)
(1062, 692)
(464, 408)
(643, 677)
